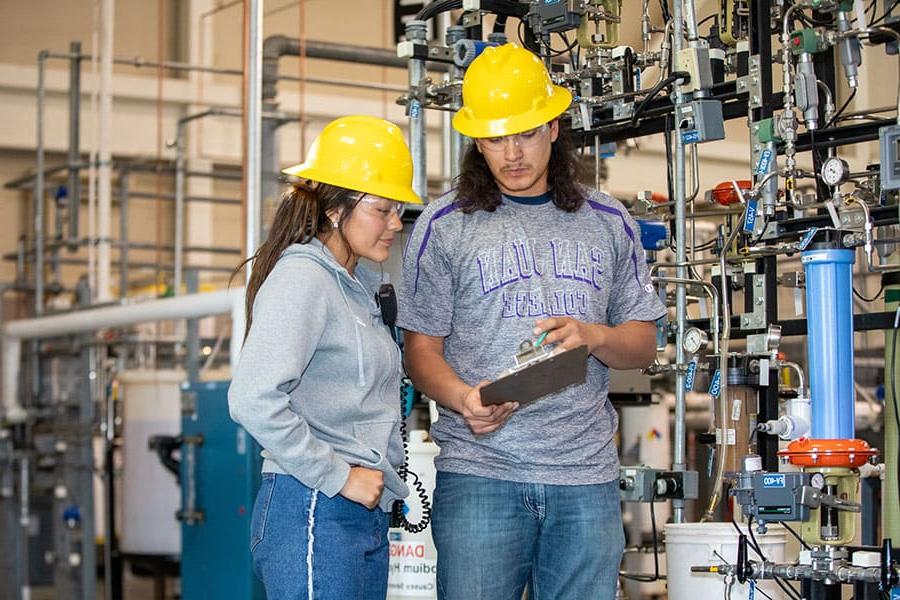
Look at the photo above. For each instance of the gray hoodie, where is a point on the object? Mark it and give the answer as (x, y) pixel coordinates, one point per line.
(318, 381)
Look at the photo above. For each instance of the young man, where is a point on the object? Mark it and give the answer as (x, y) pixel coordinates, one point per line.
(525, 494)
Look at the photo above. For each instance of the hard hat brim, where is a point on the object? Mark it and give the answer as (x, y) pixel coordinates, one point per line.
(559, 100)
(390, 191)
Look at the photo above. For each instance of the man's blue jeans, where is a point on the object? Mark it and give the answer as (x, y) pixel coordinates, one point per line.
(307, 546)
(493, 537)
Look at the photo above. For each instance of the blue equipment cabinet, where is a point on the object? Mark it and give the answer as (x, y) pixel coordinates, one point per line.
(220, 475)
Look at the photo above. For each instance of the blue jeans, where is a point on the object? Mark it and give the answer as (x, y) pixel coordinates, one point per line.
(494, 537)
(307, 546)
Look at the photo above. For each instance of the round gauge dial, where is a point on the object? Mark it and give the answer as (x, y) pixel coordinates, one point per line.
(817, 481)
(835, 170)
(694, 340)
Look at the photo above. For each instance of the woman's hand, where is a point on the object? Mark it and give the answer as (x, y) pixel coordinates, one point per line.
(364, 486)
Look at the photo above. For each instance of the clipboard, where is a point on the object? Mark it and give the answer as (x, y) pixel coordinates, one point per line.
(542, 377)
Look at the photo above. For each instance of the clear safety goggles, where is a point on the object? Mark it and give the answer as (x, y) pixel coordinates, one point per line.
(383, 207)
(526, 139)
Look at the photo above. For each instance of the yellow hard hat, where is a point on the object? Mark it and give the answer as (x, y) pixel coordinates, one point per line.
(361, 153)
(507, 90)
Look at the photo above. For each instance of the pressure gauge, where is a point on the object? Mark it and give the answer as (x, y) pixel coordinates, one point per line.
(817, 481)
(694, 340)
(835, 171)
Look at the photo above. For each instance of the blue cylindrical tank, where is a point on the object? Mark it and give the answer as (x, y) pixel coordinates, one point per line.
(829, 308)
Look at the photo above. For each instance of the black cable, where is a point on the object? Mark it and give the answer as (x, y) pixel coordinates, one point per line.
(645, 578)
(416, 483)
(873, 298)
(656, 90)
(842, 109)
(570, 47)
(705, 19)
(794, 533)
(664, 9)
(757, 588)
(885, 15)
(786, 587)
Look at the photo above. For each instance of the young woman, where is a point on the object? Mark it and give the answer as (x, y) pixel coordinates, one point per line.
(318, 380)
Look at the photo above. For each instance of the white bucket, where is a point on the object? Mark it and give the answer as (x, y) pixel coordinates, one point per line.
(413, 562)
(695, 544)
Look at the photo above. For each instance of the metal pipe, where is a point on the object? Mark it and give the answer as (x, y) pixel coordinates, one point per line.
(787, 77)
(457, 140)
(690, 21)
(84, 321)
(713, 294)
(679, 456)
(139, 63)
(252, 111)
(39, 189)
(104, 174)
(74, 139)
(890, 506)
(24, 525)
(123, 233)
(416, 32)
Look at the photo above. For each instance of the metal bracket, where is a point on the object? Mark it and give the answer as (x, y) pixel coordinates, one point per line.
(471, 19)
(757, 318)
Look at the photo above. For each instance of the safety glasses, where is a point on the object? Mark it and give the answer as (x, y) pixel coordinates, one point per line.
(526, 139)
(383, 207)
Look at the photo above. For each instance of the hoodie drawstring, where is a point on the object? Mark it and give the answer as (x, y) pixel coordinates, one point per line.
(361, 381)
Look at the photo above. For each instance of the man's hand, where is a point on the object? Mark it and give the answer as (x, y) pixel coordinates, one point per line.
(571, 333)
(484, 419)
(364, 486)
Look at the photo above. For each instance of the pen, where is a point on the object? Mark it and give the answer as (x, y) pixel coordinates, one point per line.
(540, 340)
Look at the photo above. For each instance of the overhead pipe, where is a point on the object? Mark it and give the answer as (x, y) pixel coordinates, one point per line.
(190, 306)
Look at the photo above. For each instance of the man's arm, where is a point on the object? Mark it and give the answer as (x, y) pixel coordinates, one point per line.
(429, 371)
(630, 345)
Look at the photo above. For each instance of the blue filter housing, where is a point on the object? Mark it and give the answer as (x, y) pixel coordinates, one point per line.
(829, 308)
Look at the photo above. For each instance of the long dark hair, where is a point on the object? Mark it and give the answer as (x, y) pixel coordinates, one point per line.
(301, 216)
(477, 189)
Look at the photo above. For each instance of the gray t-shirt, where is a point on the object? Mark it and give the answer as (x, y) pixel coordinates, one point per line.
(481, 280)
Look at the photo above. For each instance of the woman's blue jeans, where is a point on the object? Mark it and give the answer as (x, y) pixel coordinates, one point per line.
(307, 546)
(494, 537)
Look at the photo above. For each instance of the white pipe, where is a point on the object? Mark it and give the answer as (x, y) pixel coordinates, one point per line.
(191, 306)
(104, 184)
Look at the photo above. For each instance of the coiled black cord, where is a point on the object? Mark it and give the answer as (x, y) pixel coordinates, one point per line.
(416, 483)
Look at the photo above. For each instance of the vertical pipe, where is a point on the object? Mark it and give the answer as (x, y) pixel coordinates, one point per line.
(192, 343)
(123, 233)
(74, 143)
(457, 140)
(416, 31)
(24, 527)
(252, 105)
(891, 501)
(39, 191)
(104, 176)
(85, 474)
(179, 208)
(679, 463)
(829, 308)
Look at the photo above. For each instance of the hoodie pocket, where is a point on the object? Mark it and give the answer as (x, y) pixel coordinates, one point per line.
(376, 436)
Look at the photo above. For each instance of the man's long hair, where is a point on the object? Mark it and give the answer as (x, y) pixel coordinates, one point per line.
(477, 189)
